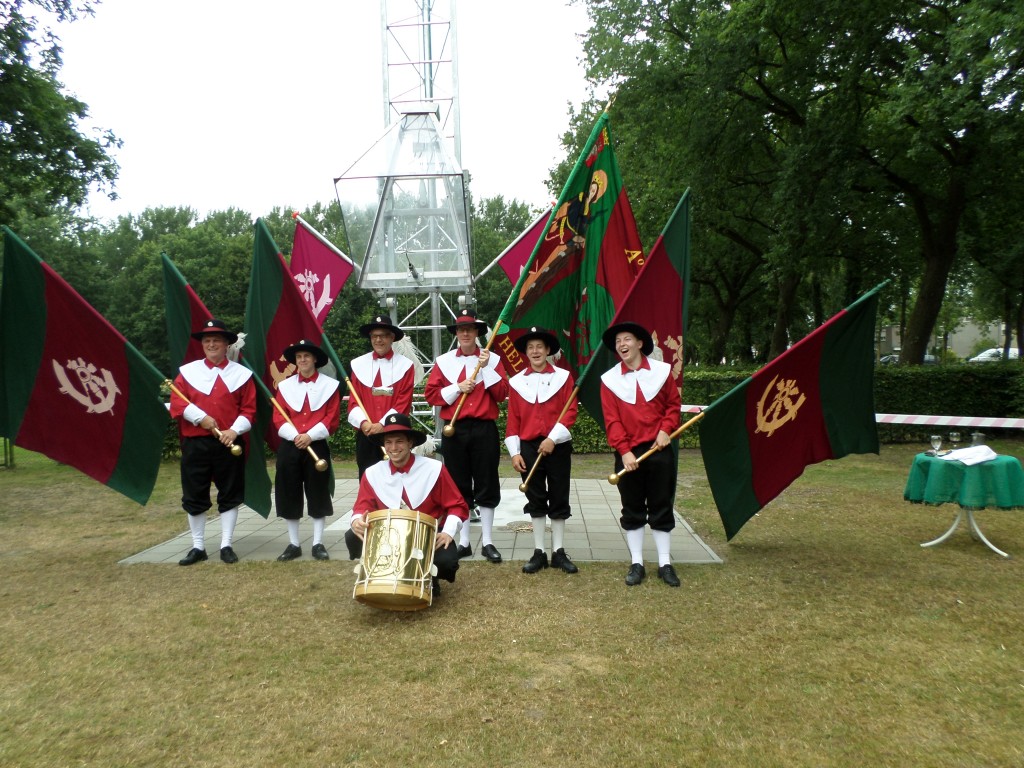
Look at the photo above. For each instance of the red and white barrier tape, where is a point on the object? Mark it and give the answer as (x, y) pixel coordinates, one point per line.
(923, 420)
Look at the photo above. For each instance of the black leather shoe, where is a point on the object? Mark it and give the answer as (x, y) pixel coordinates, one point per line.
(668, 574)
(290, 553)
(561, 560)
(537, 562)
(491, 553)
(636, 575)
(319, 552)
(194, 556)
(227, 554)
(464, 551)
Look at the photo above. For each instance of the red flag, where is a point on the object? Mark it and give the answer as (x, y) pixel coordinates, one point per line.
(71, 387)
(813, 402)
(319, 270)
(657, 300)
(514, 258)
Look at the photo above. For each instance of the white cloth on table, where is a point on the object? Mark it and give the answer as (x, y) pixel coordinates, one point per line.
(974, 454)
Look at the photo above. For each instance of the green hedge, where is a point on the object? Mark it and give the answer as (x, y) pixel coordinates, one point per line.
(991, 389)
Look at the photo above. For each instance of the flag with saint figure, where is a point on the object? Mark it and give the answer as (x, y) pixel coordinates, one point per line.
(71, 386)
(186, 314)
(319, 270)
(657, 300)
(583, 264)
(811, 403)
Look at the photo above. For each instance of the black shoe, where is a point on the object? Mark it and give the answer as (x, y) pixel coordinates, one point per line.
(537, 562)
(227, 554)
(290, 553)
(668, 574)
(491, 553)
(561, 560)
(464, 551)
(319, 552)
(636, 575)
(194, 556)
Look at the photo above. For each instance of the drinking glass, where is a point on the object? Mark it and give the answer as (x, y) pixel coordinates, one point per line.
(954, 438)
(936, 441)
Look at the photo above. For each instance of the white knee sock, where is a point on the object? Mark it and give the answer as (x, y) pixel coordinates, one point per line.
(197, 524)
(318, 530)
(486, 524)
(557, 535)
(293, 532)
(464, 533)
(663, 541)
(538, 533)
(635, 542)
(228, 518)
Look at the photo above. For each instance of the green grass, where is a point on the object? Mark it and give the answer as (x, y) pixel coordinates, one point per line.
(828, 637)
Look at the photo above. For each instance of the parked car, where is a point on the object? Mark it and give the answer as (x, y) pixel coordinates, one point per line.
(895, 359)
(993, 355)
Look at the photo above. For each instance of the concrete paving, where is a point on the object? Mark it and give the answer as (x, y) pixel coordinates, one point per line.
(591, 534)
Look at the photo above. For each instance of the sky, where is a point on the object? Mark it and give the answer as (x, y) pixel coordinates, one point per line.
(251, 104)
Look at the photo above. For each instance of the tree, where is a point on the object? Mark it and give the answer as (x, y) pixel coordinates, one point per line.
(826, 140)
(45, 158)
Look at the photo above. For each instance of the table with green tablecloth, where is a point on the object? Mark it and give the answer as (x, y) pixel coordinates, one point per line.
(996, 483)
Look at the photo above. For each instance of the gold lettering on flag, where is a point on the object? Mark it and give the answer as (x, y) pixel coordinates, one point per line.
(97, 393)
(636, 256)
(783, 407)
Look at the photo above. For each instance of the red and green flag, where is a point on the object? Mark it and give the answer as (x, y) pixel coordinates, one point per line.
(71, 386)
(813, 402)
(276, 316)
(582, 266)
(186, 314)
(657, 300)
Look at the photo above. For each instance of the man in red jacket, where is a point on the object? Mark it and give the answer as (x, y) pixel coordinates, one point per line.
(641, 409)
(415, 482)
(383, 380)
(473, 452)
(537, 434)
(311, 400)
(220, 407)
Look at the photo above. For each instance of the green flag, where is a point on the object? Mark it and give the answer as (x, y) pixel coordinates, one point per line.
(71, 386)
(813, 402)
(582, 266)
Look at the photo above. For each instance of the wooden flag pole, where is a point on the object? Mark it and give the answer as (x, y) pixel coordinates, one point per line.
(526, 483)
(236, 449)
(616, 476)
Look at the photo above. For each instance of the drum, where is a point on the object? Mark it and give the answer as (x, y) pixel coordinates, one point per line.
(394, 572)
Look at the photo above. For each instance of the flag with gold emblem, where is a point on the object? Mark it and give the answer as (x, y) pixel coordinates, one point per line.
(582, 265)
(811, 403)
(71, 386)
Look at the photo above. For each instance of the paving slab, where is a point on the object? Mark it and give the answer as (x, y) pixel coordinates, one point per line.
(591, 534)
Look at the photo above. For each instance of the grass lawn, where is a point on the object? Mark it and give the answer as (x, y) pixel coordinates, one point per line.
(828, 637)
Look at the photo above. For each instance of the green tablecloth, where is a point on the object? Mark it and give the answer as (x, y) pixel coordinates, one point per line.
(997, 483)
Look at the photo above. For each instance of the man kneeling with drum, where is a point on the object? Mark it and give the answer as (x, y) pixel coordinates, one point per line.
(413, 482)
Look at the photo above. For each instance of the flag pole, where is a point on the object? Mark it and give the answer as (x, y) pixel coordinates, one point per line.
(568, 401)
(616, 476)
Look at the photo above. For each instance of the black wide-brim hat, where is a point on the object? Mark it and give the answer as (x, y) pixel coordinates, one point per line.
(646, 341)
(215, 328)
(305, 346)
(381, 321)
(468, 317)
(536, 332)
(399, 422)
